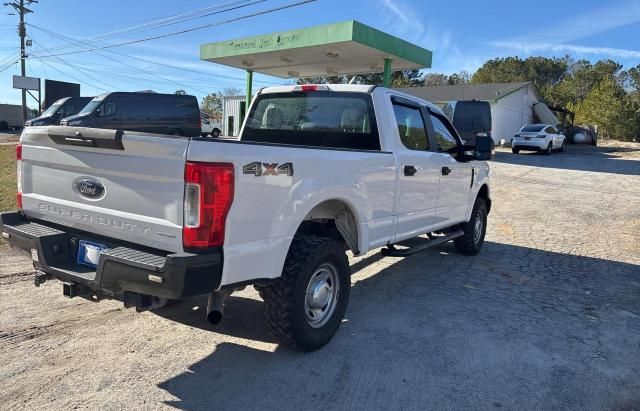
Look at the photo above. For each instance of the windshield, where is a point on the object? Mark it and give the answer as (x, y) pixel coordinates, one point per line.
(90, 106)
(319, 119)
(51, 110)
(533, 128)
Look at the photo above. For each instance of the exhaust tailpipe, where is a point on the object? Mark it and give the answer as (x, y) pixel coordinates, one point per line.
(215, 306)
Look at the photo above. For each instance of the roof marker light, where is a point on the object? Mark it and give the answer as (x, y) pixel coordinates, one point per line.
(310, 87)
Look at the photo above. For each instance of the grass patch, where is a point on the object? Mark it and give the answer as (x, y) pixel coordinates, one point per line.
(7, 177)
(7, 182)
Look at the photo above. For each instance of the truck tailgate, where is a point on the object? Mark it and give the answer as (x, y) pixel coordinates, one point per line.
(123, 185)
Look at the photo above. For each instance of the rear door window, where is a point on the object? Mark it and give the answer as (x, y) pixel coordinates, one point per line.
(317, 119)
(411, 127)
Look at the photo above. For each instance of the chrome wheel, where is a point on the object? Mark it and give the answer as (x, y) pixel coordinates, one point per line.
(477, 227)
(322, 295)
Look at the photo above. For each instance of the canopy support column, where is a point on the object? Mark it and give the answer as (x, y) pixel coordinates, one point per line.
(249, 87)
(387, 72)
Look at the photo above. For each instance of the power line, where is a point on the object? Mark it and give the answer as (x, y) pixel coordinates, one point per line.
(144, 71)
(71, 76)
(22, 10)
(163, 22)
(8, 64)
(76, 68)
(247, 16)
(142, 59)
(180, 18)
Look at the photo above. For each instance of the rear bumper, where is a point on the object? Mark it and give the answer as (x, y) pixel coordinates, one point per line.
(533, 144)
(123, 268)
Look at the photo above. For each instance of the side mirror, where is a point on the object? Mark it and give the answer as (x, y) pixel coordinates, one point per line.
(484, 147)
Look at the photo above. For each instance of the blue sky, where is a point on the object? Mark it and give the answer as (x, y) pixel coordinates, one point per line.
(461, 34)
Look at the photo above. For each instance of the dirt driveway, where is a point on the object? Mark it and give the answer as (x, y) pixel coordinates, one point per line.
(547, 316)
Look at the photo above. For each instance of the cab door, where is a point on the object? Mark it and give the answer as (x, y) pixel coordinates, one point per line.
(455, 176)
(419, 178)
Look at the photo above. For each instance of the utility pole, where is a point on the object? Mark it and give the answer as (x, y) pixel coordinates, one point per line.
(22, 32)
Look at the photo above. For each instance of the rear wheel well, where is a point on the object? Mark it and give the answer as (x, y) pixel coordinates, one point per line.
(333, 219)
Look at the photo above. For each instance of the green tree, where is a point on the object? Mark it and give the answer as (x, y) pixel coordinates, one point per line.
(213, 103)
(632, 77)
(607, 106)
(544, 72)
(462, 77)
(404, 78)
(180, 92)
(435, 79)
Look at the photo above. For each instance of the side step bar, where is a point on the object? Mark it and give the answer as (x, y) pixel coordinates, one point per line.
(415, 245)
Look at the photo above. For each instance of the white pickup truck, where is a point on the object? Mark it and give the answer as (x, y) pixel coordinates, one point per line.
(318, 170)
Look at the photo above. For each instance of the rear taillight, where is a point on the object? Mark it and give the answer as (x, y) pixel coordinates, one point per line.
(19, 175)
(208, 195)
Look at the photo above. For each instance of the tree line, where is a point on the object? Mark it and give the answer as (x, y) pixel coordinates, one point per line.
(601, 94)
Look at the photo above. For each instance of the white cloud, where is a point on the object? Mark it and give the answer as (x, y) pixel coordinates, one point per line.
(570, 28)
(406, 22)
(531, 47)
(558, 36)
(409, 21)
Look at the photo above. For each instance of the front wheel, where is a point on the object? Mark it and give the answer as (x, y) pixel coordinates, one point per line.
(474, 230)
(306, 305)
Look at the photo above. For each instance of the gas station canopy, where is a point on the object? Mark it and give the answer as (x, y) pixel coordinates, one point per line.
(334, 49)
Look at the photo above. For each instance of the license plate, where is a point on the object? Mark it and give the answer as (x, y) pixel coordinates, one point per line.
(89, 253)
(527, 138)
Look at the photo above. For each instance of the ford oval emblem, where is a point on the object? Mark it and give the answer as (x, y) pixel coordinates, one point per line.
(89, 188)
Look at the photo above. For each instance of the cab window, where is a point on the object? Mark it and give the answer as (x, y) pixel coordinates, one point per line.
(445, 140)
(411, 127)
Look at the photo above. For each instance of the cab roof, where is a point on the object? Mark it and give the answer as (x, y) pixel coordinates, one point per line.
(353, 88)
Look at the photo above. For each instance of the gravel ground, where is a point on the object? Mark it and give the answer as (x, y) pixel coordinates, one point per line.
(546, 317)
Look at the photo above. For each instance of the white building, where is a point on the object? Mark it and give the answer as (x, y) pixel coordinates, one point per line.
(512, 104)
(233, 112)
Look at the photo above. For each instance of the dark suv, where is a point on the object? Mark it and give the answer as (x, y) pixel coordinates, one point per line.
(148, 112)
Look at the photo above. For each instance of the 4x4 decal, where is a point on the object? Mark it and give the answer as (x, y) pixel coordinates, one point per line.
(259, 169)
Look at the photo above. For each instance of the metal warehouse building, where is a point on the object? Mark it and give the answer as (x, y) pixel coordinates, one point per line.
(512, 104)
(233, 109)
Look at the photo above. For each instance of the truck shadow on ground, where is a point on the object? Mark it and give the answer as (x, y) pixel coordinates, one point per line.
(580, 158)
(513, 326)
(243, 317)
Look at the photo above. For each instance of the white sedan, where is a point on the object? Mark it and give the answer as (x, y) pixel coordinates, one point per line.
(543, 138)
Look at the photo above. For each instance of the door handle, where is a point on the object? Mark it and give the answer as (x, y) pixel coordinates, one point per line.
(410, 170)
(446, 171)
